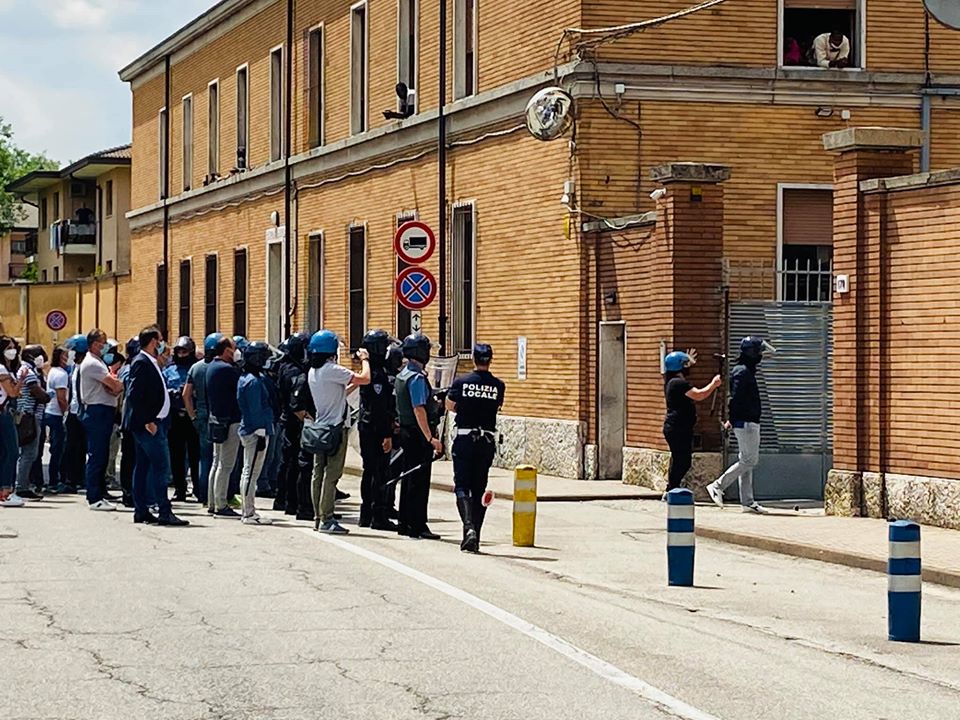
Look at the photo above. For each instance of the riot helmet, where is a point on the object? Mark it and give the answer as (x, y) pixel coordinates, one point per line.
(322, 346)
(751, 350)
(210, 345)
(677, 362)
(255, 356)
(417, 347)
(295, 346)
(376, 342)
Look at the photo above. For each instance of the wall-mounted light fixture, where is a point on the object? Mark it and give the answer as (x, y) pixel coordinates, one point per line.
(824, 111)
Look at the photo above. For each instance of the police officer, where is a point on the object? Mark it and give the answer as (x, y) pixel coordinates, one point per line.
(377, 413)
(195, 403)
(183, 439)
(291, 375)
(418, 437)
(476, 399)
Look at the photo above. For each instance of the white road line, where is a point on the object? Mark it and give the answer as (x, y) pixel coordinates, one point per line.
(648, 692)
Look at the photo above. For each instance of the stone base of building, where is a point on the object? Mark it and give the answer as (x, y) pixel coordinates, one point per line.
(648, 468)
(931, 501)
(554, 447)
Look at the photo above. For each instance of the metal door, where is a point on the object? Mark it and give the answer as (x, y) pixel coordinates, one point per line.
(797, 393)
(613, 397)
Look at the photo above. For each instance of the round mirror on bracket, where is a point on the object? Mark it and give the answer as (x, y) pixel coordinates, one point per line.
(945, 11)
(549, 113)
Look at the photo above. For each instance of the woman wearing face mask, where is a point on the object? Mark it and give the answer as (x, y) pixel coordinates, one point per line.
(681, 417)
(9, 448)
(57, 389)
(30, 404)
(42, 363)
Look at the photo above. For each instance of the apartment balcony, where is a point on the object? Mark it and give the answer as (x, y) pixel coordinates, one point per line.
(75, 238)
(25, 246)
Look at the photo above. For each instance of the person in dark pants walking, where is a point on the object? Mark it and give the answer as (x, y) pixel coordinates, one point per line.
(75, 445)
(681, 417)
(128, 446)
(377, 417)
(291, 375)
(148, 405)
(58, 389)
(418, 438)
(184, 441)
(98, 391)
(476, 399)
(195, 402)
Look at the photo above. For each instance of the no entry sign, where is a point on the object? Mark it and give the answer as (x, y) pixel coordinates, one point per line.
(56, 320)
(414, 242)
(416, 288)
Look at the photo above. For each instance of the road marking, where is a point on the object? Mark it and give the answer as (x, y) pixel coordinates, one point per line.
(609, 672)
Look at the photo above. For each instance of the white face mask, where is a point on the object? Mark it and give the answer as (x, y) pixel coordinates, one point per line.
(71, 358)
(39, 362)
(237, 355)
(10, 353)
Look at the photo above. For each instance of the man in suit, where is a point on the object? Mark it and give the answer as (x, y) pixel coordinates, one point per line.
(145, 410)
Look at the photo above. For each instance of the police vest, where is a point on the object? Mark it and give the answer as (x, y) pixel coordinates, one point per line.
(404, 405)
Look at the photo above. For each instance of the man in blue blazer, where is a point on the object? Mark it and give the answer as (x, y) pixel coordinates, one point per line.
(146, 407)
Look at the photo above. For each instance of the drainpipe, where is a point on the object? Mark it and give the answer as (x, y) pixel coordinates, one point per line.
(287, 194)
(165, 190)
(442, 179)
(96, 271)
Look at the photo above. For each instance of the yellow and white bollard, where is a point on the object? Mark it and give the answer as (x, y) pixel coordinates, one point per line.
(524, 505)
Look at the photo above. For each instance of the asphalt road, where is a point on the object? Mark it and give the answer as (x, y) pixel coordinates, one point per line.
(105, 619)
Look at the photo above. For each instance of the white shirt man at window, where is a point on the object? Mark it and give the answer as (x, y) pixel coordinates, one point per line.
(831, 50)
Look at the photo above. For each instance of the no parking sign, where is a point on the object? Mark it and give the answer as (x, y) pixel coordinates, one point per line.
(56, 320)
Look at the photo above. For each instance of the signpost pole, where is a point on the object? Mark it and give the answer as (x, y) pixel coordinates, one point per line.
(442, 174)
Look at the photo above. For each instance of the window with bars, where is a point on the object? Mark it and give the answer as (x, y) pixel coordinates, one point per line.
(243, 110)
(240, 292)
(315, 283)
(186, 288)
(463, 257)
(806, 255)
(315, 86)
(358, 284)
(210, 320)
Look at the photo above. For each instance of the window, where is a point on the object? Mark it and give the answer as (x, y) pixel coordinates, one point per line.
(109, 266)
(163, 152)
(806, 244)
(44, 214)
(358, 285)
(358, 68)
(186, 291)
(465, 48)
(464, 255)
(43, 276)
(109, 198)
(315, 86)
(403, 314)
(56, 206)
(315, 283)
(56, 273)
(240, 292)
(213, 128)
(803, 21)
(162, 298)
(210, 319)
(243, 111)
(276, 104)
(275, 290)
(407, 22)
(187, 142)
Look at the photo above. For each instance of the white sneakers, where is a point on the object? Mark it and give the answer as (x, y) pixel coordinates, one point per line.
(716, 494)
(103, 506)
(755, 508)
(13, 500)
(256, 519)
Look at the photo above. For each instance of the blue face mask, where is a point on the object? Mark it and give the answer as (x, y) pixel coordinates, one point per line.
(161, 348)
(109, 358)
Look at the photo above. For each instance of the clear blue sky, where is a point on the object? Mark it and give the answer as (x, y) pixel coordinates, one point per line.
(58, 67)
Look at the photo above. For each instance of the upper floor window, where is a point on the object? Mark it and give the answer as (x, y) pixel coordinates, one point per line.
(315, 85)
(315, 282)
(56, 206)
(822, 33)
(806, 243)
(358, 285)
(109, 198)
(163, 152)
(44, 214)
(213, 128)
(464, 48)
(187, 137)
(407, 49)
(276, 104)
(359, 55)
(243, 112)
(464, 264)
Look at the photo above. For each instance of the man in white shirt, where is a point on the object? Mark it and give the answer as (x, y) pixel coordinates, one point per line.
(146, 408)
(97, 392)
(831, 50)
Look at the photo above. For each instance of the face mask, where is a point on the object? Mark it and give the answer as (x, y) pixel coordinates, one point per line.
(237, 355)
(182, 360)
(10, 353)
(40, 362)
(161, 348)
(109, 358)
(71, 358)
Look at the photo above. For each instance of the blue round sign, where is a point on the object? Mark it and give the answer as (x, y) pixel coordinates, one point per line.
(416, 288)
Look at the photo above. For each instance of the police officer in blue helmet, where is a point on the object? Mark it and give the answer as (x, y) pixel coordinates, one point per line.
(195, 402)
(681, 418)
(476, 399)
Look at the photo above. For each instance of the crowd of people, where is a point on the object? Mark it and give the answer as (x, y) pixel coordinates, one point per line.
(238, 420)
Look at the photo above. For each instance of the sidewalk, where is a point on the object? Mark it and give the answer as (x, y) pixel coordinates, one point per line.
(549, 488)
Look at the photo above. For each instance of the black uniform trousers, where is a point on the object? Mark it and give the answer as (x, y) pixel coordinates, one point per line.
(376, 473)
(415, 487)
(75, 453)
(472, 458)
(184, 446)
(128, 458)
(287, 499)
(680, 441)
(304, 480)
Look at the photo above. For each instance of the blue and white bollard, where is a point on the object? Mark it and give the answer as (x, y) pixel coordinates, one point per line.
(681, 544)
(904, 582)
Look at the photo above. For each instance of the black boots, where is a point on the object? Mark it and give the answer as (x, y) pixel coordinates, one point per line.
(470, 543)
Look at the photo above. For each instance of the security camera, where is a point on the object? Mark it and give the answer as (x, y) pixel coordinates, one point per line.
(658, 193)
(565, 199)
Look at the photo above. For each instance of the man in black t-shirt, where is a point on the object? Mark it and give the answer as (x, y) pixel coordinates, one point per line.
(476, 399)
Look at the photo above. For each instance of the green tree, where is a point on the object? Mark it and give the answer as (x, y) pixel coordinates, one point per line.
(14, 163)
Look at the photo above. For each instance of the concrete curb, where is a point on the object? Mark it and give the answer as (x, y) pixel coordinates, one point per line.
(936, 575)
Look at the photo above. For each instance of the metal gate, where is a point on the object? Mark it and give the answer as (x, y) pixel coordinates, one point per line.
(796, 388)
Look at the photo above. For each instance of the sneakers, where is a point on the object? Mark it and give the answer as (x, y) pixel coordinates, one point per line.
(30, 495)
(332, 527)
(716, 494)
(755, 508)
(103, 506)
(13, 500)
(256, 519)
(226, 512)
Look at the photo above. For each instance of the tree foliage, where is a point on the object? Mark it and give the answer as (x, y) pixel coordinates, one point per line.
(15, 162)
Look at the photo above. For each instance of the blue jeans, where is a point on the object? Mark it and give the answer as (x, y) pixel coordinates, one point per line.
(98, 424)
(9, 449)
(152, 471)
(58, 434)
(206, 457)
(271, 466)
(28, 456)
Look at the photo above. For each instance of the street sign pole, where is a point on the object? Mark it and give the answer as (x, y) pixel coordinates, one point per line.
(442, 173)
(416, 321)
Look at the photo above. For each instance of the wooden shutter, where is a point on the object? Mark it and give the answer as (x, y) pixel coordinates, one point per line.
(808, 217)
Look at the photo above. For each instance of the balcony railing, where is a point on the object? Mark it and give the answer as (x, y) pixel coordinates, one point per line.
(81, 233)
(26, 246)
(806, 280)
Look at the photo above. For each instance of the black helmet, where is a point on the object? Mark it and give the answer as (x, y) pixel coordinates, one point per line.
(394, 360)
(186, 343)
(256, 355)
(133, 348)
(295, 346)
(417, 347)
(376, 342)
(751, 349)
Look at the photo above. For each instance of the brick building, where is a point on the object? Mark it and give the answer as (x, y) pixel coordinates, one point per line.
(266, 187)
